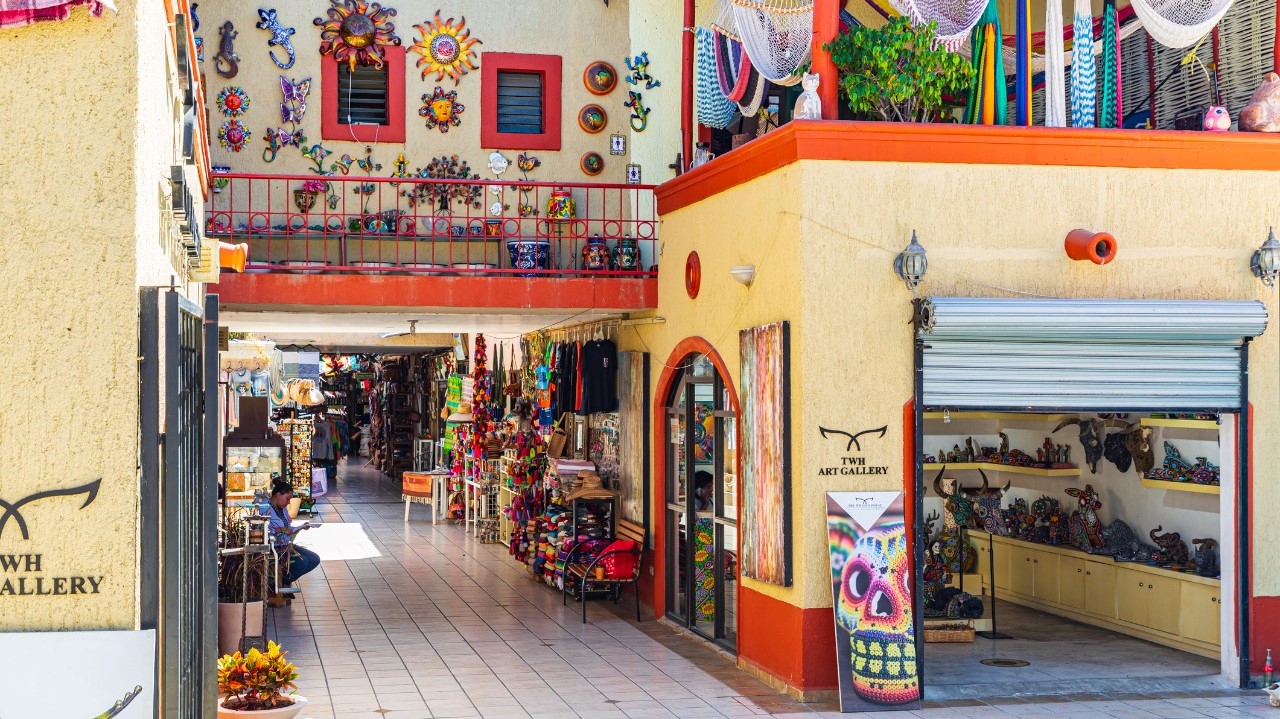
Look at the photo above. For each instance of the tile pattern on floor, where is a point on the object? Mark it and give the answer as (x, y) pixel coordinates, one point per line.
(441, 626)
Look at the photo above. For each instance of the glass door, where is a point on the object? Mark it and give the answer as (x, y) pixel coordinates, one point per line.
(702, 507)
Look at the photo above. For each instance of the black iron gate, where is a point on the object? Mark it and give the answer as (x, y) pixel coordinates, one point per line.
(178, 373)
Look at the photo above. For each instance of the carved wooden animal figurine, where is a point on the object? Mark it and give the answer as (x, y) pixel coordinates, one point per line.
(226, 52)
(1206, 557)
(1090, 439)
(1138, 439)
(1084, 529)
(1172, 549)
(1262, 114)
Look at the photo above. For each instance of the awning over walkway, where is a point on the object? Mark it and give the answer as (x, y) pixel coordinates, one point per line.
(1099, 355)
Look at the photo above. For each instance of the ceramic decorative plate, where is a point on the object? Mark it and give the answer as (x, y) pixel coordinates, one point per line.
(592, 118)
(592, 164)
(600, 78)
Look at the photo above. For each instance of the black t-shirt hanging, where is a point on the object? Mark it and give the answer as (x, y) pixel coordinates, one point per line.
(599, 377)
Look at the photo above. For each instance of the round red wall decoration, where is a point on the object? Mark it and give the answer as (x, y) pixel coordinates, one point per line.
(692, 275)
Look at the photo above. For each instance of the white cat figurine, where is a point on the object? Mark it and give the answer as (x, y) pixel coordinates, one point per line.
(808, 105)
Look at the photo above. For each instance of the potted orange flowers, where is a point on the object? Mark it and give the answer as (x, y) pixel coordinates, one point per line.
(258, 684)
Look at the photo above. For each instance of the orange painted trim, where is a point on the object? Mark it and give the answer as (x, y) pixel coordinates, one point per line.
(666, 381)
(969, 144)
(335, 291)
(794, 644)
(333, 129)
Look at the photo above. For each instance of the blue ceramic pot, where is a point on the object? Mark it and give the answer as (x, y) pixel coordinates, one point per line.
(529, 255)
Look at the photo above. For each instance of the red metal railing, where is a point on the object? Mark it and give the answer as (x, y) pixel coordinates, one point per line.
(377, 225)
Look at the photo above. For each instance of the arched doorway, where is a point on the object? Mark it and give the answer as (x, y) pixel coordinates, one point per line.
(701, 501)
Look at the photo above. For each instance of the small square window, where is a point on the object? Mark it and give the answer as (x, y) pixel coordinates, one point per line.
(362, 95)
(520, 98)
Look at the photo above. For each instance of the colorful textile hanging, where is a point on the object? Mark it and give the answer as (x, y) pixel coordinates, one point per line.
(1109, 104)
(1084, 74)
(17, 13)
(714, 109)
(1055, 67)
(988, 99)
(1022, 49)
(733, 67)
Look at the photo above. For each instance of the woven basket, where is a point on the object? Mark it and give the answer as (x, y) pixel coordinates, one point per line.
(949, 633)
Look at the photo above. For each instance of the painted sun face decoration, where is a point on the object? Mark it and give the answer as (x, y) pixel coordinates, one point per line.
(876, 598)
(442, 109)
(357, 32)
(446, 49)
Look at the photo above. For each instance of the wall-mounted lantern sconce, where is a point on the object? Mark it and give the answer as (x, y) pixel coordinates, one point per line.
(1265, 262)
(911, 263)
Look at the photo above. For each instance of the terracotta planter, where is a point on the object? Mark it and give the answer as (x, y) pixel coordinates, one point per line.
(229, 624)
(282, 713)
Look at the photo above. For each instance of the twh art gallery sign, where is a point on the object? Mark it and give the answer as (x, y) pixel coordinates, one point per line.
(31, 573)
(871, 594)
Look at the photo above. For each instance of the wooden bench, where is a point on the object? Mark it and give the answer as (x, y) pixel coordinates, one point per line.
(586, 572)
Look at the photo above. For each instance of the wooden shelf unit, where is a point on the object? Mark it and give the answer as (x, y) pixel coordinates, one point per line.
(1182, 486)
(1013, 416)
(990, 467)
(1206, 424)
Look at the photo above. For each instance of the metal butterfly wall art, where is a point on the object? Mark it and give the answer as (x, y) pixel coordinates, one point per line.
(280, 37)
(295, 99)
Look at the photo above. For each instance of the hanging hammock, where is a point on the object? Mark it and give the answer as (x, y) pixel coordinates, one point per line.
(778, 36)
(1084, 75)
(1022, 69)
(955, 18)
(714, 108)
(757, 88)
(1109, 111)
(1180, 23)
(1055, 67)
(988, 98)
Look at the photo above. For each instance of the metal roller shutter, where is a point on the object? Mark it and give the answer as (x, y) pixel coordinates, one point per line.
(1098, 355)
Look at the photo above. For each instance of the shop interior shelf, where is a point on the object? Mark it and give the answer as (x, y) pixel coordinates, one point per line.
(1184, 423)
(1181, 486)
(989, 467)
(1031, 417)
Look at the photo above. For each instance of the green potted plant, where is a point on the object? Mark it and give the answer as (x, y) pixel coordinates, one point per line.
(240, 604)
(898, 71)
(258, 684)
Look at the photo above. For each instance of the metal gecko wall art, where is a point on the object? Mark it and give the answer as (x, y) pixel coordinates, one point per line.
(280, 37)
(227, 56)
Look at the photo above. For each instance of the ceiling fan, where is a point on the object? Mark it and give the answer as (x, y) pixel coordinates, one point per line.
(413, 330)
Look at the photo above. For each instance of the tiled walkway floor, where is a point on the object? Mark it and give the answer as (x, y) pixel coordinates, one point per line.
(442, 626)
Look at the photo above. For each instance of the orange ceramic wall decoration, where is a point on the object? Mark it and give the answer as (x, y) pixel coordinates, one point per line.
(600, 78)
(592, 118)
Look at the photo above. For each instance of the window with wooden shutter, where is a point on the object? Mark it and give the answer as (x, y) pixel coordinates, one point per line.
(362, 95)
(520, 102)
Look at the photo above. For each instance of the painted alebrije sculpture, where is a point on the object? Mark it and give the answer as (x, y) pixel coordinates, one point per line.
(442, 109)
(357, 33)
(986, 504)
(233, 101)
(446, 48)
(957, 509)
(1173, 550)
(1206, 557)
(227, 57)
(1084, 530)
(875, 582)
(233, 135)
(279, 37)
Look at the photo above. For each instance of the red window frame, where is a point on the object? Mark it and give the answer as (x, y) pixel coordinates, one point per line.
(551, 68)
(394, 131)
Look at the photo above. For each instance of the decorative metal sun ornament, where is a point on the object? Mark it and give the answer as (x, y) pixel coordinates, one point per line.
(233, 135)
(233, 101)
(446, 49)
(357, 32)
(442, 109)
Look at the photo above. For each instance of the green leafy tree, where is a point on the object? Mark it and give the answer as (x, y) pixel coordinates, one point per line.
(898, 71)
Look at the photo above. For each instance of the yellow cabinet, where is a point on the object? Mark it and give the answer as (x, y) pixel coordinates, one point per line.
(1131, 596)
(1100, 589)
(1044, 568)
(1200, 613)
(984, 560)
(1002, 557)
(1021, 570)
(1071, 590)
(1164, 600)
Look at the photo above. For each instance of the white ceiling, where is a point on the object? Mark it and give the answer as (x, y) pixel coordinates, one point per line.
(303, 325)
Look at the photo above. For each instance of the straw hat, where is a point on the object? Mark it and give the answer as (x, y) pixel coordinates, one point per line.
(279, 395)
(463, 414)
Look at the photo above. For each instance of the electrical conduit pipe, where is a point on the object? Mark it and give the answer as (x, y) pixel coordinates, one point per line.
(1096, 247)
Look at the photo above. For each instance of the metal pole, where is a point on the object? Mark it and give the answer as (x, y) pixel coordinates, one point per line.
(917, 601)
(208, 511)
(1243, 558)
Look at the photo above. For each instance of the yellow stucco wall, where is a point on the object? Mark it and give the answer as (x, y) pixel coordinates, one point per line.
(823, 235)
(580, 34)
(89, 104)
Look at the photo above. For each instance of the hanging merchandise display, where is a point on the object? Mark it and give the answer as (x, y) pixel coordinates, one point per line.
(1084, 80)
(600, 78)
(1178, 23)
(778, 36)
(233, 135)
(357, 33)
(446, 49)
(1055, 67)
(1110, 103)
(227, 62)
(280, 37)
(988, 98)
(233, 101)
(442, 109)
(714, 108)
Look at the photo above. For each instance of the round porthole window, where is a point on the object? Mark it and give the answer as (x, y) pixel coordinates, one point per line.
(692, 275)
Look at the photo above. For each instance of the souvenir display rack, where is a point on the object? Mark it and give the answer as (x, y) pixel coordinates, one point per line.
(297, 438)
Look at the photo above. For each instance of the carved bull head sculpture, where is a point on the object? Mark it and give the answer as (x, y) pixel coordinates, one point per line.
(1090, 439)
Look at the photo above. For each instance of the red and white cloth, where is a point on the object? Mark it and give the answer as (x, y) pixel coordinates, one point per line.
(17, 13)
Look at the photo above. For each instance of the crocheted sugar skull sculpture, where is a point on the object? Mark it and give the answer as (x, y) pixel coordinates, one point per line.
(875, 589)
(841, 536)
